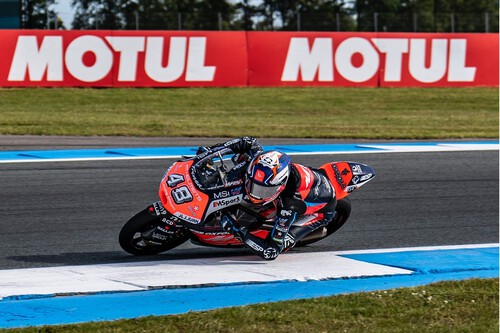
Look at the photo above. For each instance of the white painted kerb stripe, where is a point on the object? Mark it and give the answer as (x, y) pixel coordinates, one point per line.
(144, 275)
(441, 147)
(379, 149)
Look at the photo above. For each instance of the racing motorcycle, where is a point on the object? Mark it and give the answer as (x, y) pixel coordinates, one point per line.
(194, 197)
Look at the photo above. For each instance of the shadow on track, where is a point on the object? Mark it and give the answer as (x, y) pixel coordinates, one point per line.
(113, 257)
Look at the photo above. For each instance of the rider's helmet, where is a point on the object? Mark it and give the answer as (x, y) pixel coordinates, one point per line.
(266, 176)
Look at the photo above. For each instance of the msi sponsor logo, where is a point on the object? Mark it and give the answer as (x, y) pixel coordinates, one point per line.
(222, 194)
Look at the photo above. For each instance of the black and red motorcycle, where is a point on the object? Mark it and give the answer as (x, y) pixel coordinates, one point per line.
(193, 199)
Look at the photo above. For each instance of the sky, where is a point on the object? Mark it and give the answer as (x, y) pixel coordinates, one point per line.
(63, 8)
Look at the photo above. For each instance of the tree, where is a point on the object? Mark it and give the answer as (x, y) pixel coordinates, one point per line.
(213, 15)
(150, 15)
(153, 14)
(323, 15)
(467, 16)
(427, 15)
(319, 15)
(39, 14)
(373, 14)
(98, 14)
(246, 13)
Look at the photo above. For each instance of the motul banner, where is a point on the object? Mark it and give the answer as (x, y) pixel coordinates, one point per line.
(208, 58)
(122, 58)
(370, 59)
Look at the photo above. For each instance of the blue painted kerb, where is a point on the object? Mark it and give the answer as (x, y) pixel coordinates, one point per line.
(429, 267)
(30, 155)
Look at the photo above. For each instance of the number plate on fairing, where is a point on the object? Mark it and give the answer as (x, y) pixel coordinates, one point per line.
(179, 195)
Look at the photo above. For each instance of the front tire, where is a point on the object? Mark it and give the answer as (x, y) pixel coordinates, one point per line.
(132, 241)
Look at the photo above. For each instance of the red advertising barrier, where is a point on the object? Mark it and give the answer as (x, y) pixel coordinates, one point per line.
(370, 59)
(122, 58)
(208, 58)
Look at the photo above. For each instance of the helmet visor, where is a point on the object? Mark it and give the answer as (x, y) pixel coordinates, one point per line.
(261, 192)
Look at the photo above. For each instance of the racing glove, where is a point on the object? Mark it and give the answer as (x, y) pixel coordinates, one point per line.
(202, 149)
(246, 144)
(228, 223)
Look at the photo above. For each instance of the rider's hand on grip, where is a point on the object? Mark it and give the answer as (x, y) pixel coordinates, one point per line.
(202, 150)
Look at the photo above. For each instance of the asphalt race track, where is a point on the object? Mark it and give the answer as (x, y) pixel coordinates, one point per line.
(70, 213)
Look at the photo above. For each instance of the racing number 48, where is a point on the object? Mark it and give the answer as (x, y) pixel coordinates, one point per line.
(180, 194)
(174, 180)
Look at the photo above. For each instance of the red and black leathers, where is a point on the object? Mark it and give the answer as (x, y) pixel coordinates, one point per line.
(307, 192)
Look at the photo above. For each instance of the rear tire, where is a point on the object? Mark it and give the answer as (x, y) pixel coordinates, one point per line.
(342, 213)
(131, 240)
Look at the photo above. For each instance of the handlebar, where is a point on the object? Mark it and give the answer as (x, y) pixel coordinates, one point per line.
(210, 175)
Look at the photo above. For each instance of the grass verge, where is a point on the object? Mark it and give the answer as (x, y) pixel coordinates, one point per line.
(357, 113)
(458, 306)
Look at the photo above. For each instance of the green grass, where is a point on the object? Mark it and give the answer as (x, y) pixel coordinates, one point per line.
(357, 113)
(465, 306)
(360, 113)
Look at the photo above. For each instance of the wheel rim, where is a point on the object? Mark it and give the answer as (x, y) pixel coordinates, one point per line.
(137, 240)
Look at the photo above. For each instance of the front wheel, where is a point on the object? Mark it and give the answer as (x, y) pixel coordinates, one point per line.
(131, 236)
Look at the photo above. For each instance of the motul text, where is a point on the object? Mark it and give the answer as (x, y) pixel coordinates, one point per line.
(186, 57)
(209, 58)
(319, 60)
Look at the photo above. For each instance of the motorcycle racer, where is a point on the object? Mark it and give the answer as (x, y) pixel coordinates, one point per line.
(234, 194)
(270, 177)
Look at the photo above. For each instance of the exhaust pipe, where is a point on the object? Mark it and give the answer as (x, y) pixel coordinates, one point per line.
(315, 235)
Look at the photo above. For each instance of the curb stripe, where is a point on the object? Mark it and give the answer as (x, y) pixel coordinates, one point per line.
(428, 266)
(177, 152)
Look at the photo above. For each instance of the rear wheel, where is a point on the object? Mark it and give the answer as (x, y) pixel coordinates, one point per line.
(342, 213)
(131, 236)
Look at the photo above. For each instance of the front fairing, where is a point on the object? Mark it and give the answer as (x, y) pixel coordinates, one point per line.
(192, 191)
(180, 196)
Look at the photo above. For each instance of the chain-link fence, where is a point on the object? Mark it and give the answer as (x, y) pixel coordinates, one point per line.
(446, 22)
(378, 22)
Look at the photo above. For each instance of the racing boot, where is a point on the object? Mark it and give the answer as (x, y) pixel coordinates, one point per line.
(311, 232)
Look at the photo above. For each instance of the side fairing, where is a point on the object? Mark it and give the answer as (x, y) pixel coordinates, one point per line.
(347, 176)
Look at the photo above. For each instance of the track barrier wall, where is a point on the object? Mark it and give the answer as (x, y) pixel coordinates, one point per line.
(113, 58)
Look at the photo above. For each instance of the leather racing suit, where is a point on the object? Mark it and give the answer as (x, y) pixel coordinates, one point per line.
(307, 191)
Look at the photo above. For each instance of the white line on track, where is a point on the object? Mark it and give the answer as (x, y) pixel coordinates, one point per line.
(380, 149)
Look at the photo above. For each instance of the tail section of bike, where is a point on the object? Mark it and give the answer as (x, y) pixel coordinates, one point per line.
(347, 176)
